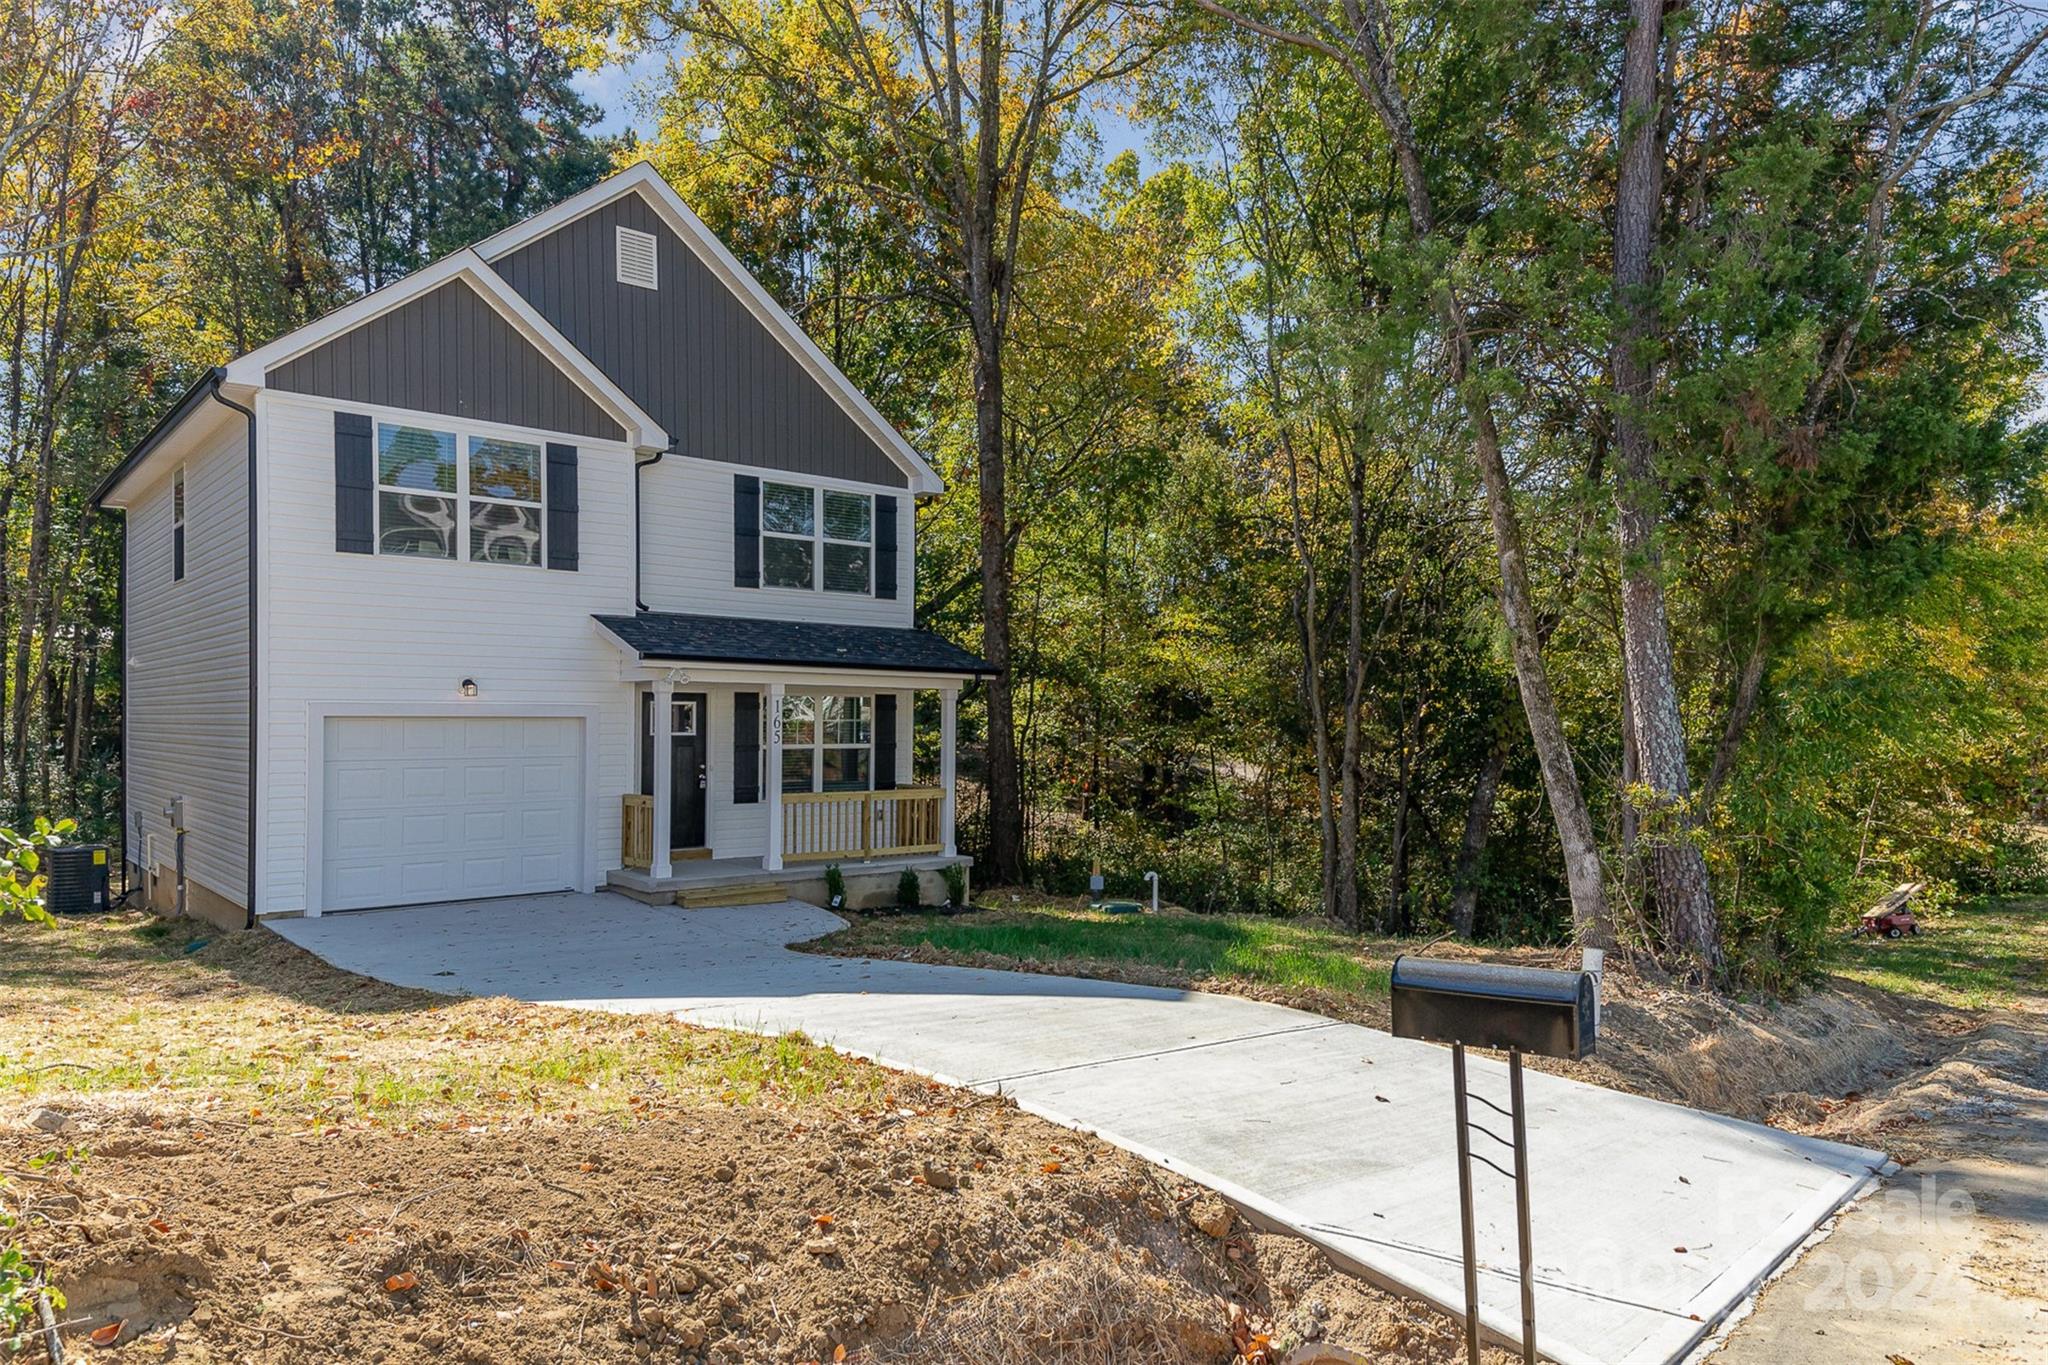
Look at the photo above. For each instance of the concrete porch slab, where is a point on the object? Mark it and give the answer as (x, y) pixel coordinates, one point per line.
(1651, 1221)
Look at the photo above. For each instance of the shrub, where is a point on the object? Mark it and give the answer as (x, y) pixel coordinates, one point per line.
(21, 874)
(835, 885)
(907, 893)
(956, 883)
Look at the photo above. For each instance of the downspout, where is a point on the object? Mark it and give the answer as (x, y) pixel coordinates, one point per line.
(249, 414)
(639, 604)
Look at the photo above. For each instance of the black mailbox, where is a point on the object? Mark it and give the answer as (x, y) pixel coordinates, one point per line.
(1484, 1004)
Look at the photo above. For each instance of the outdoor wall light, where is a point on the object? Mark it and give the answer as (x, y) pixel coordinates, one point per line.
(468, 688)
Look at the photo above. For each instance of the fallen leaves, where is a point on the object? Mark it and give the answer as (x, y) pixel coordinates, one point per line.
(107, 1335)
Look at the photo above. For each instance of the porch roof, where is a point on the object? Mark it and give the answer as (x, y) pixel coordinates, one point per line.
(666, 635)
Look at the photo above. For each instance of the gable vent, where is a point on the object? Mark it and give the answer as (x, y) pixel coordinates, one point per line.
(637, 260)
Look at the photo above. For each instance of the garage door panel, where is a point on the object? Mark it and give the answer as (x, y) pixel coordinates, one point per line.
(423, 832)
(420, 783)
(431, 736)
(486, 779)
(358, 835)
(542, 779)
(448, 808)
(541, 738)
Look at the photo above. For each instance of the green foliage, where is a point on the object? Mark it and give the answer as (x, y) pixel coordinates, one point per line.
(19, 1284)
(1241, 947)
(908, 893)
(21, 875)
(956, 884)
(1903, 744)
(835, 884)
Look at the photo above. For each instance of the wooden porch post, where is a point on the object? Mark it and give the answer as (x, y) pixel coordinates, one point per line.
(948, 733)
(771, 780)
(663, 754)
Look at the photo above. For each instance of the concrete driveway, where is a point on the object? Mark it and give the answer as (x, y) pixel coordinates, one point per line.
(1651, 1221)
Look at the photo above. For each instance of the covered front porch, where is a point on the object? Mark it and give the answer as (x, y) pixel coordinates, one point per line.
(765, 771)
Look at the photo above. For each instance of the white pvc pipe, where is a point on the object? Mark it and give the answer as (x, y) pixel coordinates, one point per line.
(1153, 877)
(1594, 960)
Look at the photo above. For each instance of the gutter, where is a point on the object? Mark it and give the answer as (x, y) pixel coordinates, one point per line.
(640, 603)
(208, 383)
(213, 384)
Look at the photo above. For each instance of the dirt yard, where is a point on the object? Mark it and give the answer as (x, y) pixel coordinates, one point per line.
(227, 1150)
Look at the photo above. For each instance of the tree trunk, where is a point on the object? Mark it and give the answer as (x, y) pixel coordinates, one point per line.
(1348, 912)
(1372, 70)
(1677, 870)
(1407, 740)
(1741, 706)
(1472, 848)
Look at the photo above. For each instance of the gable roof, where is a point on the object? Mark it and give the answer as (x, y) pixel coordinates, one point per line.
(254, 369)
(449, 351)
(646, 184)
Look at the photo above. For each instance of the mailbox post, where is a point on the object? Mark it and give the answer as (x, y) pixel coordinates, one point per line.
(1521, 1009)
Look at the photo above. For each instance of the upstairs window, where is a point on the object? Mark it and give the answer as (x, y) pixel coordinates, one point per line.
(638, 264)
(505, 501)
(416, 492)
(178, 525)
(426, 494)
(817, 538)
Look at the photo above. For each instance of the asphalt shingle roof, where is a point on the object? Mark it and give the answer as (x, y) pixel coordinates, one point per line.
(734, 639)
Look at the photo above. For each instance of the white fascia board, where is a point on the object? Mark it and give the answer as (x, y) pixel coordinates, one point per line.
(642, 178)
(642, 431)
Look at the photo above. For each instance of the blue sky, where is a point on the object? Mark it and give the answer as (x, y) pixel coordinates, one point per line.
(617, 90)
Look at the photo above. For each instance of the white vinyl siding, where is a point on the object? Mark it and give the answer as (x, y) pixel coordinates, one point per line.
(187, 681)
(395, 635)
(686, 515)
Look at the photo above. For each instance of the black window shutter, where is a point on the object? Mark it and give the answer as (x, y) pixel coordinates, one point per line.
(355, 486)
(562, 506)
(885, 546)
(885, 741)
(746, 531)
(177, 552)
(746, 748)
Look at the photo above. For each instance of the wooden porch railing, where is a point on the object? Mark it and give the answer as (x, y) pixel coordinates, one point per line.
(879, 824)
(636, 831)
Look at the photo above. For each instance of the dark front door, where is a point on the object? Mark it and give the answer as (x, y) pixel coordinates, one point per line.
(688, 781)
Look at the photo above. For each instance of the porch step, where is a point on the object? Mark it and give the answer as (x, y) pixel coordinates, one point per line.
(731, 893)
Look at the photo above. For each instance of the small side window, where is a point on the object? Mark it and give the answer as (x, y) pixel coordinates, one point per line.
(178, 525)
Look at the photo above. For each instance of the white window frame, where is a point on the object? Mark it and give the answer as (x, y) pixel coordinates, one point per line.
(464, 434)
(178, 547)
(818, 745)
(818, 539)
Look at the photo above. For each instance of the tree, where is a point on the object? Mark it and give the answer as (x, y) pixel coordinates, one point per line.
(968, 103)
(1357, 43)
(1685, 901)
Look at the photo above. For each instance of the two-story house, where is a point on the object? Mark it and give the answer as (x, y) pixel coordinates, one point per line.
(568, 560)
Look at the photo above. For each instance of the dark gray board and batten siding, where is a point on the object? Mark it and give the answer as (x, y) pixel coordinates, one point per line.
(448, 351)
(690, 353)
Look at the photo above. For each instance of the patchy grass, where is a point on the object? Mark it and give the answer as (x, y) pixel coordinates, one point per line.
(1983, 954)
(1176, 946)
(252, 1025)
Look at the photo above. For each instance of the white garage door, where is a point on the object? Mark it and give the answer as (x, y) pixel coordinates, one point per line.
(430, 808)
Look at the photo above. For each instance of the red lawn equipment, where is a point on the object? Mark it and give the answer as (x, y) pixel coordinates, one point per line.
(1890, 918)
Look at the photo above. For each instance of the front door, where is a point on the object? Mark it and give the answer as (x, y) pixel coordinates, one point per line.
(688, 779)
